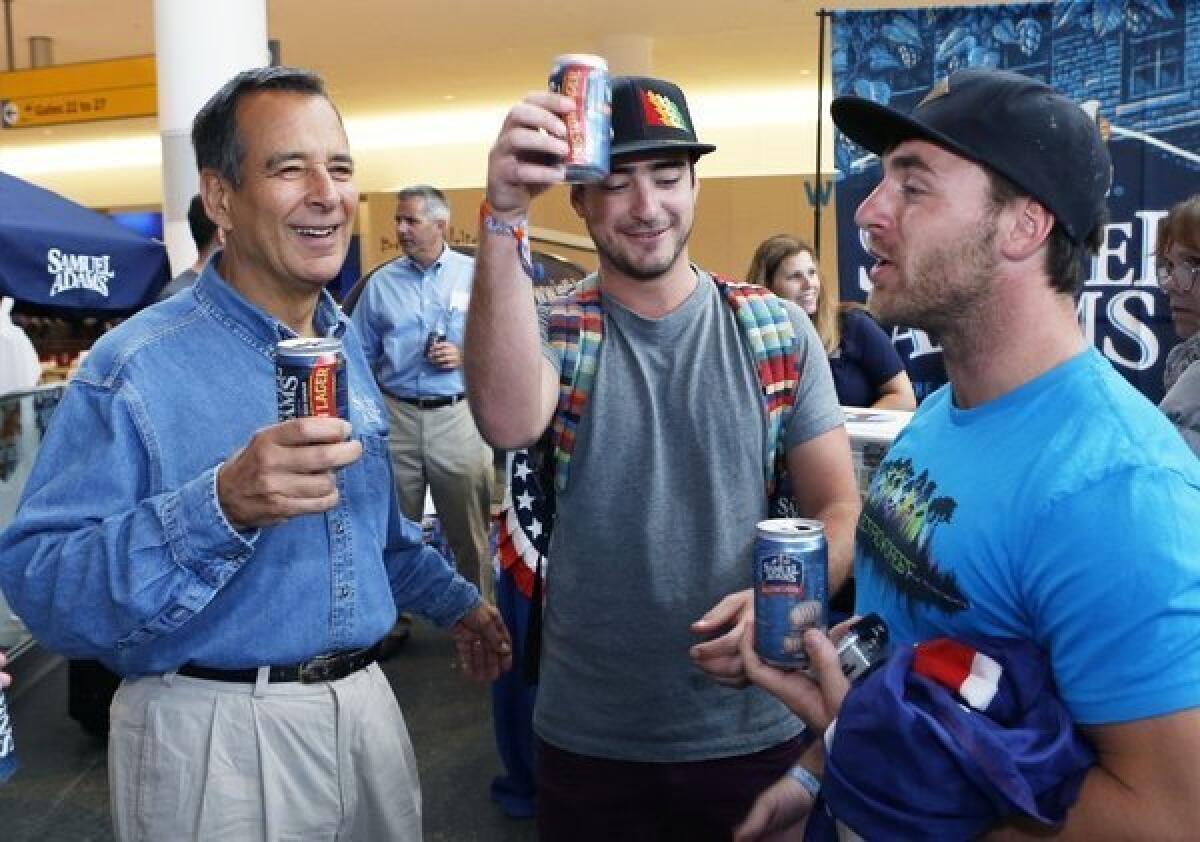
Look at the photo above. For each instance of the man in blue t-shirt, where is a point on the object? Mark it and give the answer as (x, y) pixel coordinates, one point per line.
(1037, 496)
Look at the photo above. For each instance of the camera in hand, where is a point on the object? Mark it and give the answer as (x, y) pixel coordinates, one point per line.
(864, 644)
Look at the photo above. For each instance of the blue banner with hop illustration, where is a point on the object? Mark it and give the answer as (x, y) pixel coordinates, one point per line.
(1134, 65)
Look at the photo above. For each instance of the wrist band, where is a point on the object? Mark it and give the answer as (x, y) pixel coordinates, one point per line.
(806, 779)
(519, 231)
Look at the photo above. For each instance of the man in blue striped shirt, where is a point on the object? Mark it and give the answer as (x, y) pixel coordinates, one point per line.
(411, 316)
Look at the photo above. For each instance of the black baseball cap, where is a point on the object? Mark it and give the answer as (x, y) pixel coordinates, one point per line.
(651, 115)
(1019, 127)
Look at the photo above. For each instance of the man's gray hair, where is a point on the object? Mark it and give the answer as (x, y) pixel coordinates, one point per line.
(436, 206)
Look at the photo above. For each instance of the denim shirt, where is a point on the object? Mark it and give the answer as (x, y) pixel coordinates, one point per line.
(401, 305)
(120, 551)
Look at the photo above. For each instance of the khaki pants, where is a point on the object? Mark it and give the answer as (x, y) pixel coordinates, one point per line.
(442, 448)
(190, 759)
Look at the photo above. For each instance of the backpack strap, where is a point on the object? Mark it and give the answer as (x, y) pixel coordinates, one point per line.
(575, 331)
(768, 333)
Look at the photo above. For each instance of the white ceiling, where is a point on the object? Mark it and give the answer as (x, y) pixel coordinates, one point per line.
(384, 56)
(413, 68)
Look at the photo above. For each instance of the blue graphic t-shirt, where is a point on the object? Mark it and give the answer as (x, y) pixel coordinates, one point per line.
(1066, 512)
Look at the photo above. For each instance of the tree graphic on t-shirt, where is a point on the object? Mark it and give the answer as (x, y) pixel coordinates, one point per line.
(900, 515)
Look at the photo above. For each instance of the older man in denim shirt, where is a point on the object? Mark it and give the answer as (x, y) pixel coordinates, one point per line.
(235, 570)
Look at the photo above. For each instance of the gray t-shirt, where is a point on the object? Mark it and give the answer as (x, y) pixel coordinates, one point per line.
(655, 527)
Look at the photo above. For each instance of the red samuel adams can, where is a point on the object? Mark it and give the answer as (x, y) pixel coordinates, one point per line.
(310, 378)
(584, 78)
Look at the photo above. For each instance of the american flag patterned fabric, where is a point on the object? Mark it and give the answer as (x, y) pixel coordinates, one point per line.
(523, 525)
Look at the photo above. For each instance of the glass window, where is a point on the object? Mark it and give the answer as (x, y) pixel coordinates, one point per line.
(1154, 60)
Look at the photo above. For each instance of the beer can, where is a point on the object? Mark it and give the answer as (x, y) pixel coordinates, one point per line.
(310, 378)
(431, 339)
(584, 78)
(791, 573)
(8, 751)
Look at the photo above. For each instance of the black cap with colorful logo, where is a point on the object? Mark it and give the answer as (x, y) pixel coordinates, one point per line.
(651, 115)
(1019, 127)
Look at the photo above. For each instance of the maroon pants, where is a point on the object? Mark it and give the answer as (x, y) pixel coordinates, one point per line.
(580, 799)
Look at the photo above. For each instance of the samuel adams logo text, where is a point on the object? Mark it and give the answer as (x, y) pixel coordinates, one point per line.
(308, 394)
(310, 378)
(321, 405)
(79, 271)
(782, 574)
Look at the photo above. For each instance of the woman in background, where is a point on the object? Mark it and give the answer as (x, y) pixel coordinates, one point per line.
(867, 371)
(1178, 253)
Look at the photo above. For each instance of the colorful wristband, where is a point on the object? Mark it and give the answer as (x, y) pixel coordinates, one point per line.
(519, 231)
(806, 779)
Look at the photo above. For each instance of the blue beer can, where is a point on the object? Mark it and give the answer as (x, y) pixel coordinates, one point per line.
(8, 751)
(791, 579)
(584, 78)
(310, 378)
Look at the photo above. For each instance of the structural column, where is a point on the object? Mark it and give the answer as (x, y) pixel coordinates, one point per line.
(198, 47)
(628, 54)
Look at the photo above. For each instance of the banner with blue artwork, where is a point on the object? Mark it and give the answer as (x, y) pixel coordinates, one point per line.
(1134, 65)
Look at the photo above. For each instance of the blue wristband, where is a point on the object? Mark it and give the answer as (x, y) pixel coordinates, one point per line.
(806, 779)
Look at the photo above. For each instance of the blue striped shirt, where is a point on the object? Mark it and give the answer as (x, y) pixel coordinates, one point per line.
(401, 305)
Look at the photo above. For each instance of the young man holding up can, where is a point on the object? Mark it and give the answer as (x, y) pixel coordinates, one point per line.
(1037, 497)
(236, 570)
(666, 476)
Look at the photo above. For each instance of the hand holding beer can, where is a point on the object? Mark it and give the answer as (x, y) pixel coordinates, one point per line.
(431, 339)
(584, 78)
(791, 573)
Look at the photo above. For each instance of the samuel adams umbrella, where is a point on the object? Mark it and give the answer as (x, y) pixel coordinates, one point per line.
(55, 253)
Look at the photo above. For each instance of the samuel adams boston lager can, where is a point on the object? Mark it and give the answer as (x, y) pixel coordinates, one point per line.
(791, 572)
(310, 378)
(589, 126)
(8, 752)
